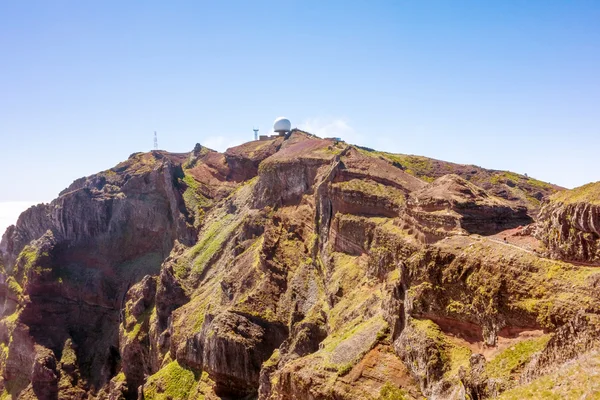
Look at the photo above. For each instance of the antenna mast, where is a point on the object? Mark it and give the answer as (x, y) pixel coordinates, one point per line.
(255, 133)
(155, 141)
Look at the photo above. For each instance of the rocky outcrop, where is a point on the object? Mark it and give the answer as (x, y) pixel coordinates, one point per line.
(291, 172)
(517, 189)
(134, 339)
(102, 207)
(578, 336)
(73, 259)
(231, 348)
(493, 300)
(451, 205)
(244, 160)
(423, 349)
(569, 225)
(366, 197)
(362, 165)
(351, 234)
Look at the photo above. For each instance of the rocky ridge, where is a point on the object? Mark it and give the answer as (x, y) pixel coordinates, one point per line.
(297, 268)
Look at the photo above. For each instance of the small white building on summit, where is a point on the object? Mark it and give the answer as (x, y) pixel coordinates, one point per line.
(282, 126)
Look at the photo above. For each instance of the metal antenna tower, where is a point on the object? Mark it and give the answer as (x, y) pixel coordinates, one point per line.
(255, 133)
(155, 141)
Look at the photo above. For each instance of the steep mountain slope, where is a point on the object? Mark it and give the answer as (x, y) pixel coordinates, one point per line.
(293, 268)
(518, 189)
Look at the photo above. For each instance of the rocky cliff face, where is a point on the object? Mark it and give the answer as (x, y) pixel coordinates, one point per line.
(68, 265)
(295, 268)
(451, 205)
(569, 225)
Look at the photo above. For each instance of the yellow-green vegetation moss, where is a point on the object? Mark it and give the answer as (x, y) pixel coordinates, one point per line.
(387, 226)
(456, 307)
(256, 299)
(331, 150)
(539, 184)
(391, 392)
(453, 355)
(589, 193)
(547, 295)
(109, 173)
(419, 290)
(508, 177)
(372, 188)
(140, 321)
(332, 341)
(138, 163)
(120, 377)
(361, 336)
(29, 260)
(532, 200)
(574, 381)
(514, 358)
(193, 160)
(349, 275)
(26, 260)
(190, 319)
(200, 308)
(13, 286)
(419, 166)
(548, 290)
(212, 240)
(389, 245)
(69, 357)
(257, 146)
(3, 353)
(519, 186)
(393, 276)
(459, 357)
(194, 199)
(568, 272)
(170, 383)
(273, 360)
(12, 318)
(487, 285)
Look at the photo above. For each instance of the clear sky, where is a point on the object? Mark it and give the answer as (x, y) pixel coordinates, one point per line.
(502, 84)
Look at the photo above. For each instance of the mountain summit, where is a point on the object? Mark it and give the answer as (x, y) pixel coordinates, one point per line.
(302, 268)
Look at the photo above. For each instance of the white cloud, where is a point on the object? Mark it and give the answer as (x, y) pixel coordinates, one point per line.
(10, 211)
(332, 127)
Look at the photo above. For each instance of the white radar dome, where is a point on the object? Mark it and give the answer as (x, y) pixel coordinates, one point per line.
(282, 124)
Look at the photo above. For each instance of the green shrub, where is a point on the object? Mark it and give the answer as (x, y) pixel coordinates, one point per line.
(391, 392)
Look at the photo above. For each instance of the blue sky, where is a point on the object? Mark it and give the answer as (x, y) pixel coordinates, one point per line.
(507, 84)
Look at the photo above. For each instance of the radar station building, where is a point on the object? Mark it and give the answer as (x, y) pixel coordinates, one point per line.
(281, 127)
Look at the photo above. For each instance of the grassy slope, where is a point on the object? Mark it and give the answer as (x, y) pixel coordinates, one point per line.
(589, 193)
(576, 380)
(520, 189)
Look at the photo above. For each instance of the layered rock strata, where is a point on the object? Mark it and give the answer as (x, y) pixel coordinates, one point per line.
(293, 268)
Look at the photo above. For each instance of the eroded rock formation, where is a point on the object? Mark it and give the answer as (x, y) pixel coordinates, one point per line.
(294, 268)
(569, 225)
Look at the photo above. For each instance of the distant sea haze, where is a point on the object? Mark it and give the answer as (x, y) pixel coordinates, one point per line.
(10, 211)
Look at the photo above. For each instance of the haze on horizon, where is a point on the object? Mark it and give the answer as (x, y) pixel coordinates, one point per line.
(509, 85)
